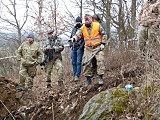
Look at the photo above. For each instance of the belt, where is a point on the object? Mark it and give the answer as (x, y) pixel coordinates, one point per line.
(93, 46)
(145, 25)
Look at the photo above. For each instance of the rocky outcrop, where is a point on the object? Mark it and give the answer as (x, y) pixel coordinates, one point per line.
(105, 104)
(121, 104)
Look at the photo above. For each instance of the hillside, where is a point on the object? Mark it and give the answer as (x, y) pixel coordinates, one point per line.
(44, 104)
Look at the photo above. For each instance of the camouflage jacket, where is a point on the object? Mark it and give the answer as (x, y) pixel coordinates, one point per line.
(150, 14)
(54, 53)
(29, 54)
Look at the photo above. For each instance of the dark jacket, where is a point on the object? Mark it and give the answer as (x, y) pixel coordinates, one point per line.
(77, 44)
(54, 53)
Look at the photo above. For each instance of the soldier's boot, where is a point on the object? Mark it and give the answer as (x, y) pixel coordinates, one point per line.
(100, 82)
(49, 85)
(61, 85)
(21, 85)
(88, 81)
(19, 89)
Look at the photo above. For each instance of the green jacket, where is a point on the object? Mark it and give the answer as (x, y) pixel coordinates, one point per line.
(29, 54)
(54, 53)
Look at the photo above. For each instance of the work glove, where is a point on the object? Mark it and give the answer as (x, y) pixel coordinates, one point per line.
(101, 46)
(72, 40)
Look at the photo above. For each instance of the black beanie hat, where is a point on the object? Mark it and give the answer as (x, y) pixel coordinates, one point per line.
(79, 19)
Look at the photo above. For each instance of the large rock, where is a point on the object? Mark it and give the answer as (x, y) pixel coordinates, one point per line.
(103, 105)
(120, 104)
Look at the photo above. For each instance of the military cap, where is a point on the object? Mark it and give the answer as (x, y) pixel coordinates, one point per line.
(50, 31)
(31, 35)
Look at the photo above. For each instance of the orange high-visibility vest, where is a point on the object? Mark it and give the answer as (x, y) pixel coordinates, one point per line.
(94, 38)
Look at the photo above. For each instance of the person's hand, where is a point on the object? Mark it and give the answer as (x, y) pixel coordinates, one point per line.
(139, 22)
(155, 26)
(36, 63)
(72, 40)
(49, 47)
(22, 60)
(55, 47)
(69, 40)
(101, 46)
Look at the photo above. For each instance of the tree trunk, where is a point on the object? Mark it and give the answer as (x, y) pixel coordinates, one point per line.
(131, 43)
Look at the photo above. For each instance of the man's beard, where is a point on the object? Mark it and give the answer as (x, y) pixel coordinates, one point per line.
(88, 25)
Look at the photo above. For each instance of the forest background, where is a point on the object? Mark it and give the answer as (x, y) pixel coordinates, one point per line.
(18, 17)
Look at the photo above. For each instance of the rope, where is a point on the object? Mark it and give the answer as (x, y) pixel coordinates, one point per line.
(8, 57)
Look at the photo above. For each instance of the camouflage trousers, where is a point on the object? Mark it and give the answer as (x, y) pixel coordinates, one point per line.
(88, 69)
(58, 66)
(27, 73)
(148, 38)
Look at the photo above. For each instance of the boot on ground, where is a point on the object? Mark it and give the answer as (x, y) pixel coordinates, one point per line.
(100, 82)
(88, 81)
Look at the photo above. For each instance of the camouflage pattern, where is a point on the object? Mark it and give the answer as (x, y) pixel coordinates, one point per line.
(55, 58)
(88, 69)
(149, 21)
(29, 55)
(49, 66)
(89, 51)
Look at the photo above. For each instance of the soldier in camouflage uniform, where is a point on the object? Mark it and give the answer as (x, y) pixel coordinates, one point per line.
(149, 21)
(29, 54)
(94, 37)
(52, 51)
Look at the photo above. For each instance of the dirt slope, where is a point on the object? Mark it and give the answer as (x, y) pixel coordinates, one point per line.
(43, 104)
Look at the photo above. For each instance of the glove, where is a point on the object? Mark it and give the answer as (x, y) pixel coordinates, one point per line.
(72, 40)
(101, 46)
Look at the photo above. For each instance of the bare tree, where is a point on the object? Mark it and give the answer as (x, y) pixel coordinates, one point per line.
(79, 4)
(10, 16)
(40, 7)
